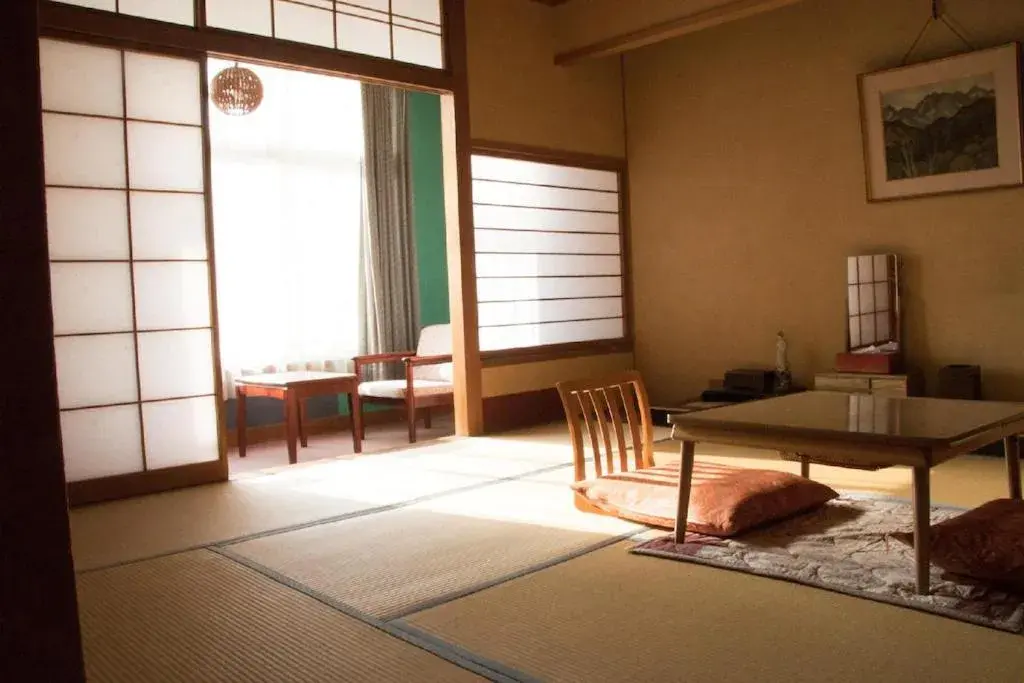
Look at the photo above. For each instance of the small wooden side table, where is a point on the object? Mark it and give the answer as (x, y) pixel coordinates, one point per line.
(294, 388)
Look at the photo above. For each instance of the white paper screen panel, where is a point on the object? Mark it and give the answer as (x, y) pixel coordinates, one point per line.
(549, 259)
(173, 11)
(539, 289)
(130, 279)
(403, 30)
(530, 242)
(558, 310)
(101, 442)
(521, 336)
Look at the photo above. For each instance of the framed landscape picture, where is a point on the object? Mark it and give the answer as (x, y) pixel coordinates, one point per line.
(949, 125)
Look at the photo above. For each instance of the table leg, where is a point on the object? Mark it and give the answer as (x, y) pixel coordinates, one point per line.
(240, 419)
(922, 528)
(302, 423)
(1011, 445)
(685, 477)
(805, 467)
(355, 411)
(291, 417)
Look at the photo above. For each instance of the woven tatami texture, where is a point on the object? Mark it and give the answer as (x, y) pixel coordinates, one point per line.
(612, 616)
(390, 563)
(201, 617)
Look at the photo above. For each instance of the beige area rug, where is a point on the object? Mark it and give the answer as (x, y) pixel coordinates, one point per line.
(614, 616)
(147, 526)
(395, 562)
(851, 545)
(200, 617)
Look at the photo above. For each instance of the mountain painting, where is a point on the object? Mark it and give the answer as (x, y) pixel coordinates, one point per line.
(947, 127)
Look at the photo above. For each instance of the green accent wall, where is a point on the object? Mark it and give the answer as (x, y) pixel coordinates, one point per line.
(428, 206)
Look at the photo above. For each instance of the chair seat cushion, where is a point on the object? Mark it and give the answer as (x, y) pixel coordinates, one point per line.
(984, 543)
(397, 388)
(724, 501)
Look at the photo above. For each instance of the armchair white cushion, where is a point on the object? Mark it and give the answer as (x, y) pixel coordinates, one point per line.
(397, 388)
(435, 340)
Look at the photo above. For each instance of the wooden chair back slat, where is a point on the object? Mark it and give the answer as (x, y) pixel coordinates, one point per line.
(608, 405)
(616, 405)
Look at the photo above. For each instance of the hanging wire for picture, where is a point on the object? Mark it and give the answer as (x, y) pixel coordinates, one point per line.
(236, 91)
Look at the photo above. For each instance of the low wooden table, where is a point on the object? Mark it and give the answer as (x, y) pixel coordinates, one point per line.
(858, 431)
(294, 388)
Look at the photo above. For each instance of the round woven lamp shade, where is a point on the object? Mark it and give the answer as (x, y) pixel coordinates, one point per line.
(236, 91)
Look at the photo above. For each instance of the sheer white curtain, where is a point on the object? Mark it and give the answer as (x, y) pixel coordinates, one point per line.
(287, 193)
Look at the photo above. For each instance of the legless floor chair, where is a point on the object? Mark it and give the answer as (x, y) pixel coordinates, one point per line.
(611, 414)
(428, 377)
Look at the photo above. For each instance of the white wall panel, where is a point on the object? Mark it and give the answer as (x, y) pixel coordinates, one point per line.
(86, 224)
(523, 289)
(519, 218)
(245, 16)
(180, 432)
(82, 151)
(101, 442)
(80, 79)
(522, 336)
(168, 225)
(515, 194)
(535, 173)
(165, 157)
(175, 364)
(172, 295)
(96, 370)
(162, 89)
(91, 297)
(531, 242)
(544, 265)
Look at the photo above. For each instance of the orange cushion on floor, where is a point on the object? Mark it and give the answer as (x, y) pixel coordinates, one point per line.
(984, 543)
(724, 501)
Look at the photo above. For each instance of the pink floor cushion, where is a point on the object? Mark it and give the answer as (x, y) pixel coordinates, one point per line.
(724, 501)
(984, 543)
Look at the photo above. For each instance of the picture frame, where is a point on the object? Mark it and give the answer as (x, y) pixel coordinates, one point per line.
(947, 125)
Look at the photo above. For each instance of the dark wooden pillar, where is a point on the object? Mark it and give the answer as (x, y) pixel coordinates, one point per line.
(39, 636)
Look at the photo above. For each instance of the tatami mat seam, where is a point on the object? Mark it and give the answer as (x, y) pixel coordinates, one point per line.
(560, 559)
(334, 518)
(494, 671)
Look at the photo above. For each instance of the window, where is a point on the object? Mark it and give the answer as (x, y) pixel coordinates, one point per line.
(173, 11)
(287, 207)
(549, 256)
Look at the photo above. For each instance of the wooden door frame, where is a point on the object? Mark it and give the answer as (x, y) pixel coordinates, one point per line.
(40, 620)
(87, 26)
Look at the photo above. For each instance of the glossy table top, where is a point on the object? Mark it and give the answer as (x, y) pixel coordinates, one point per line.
(857, 417)
(296, 377)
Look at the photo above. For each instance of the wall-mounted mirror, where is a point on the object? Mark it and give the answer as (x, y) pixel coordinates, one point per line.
(873, 303)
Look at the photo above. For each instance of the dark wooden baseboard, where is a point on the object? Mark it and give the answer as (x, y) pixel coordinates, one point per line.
(517, 411)
(141, 483)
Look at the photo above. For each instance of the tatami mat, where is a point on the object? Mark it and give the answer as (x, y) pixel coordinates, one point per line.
(147, 526)
(201, 617)
(612, 616)
(394, 562)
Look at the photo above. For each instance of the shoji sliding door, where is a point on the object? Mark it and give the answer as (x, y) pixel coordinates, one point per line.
(131, 281)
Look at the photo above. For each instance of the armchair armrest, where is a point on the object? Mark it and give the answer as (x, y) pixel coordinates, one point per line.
(427, 360)
(359, 361)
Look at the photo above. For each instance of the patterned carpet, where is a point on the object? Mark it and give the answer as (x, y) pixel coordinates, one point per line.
(851, 545)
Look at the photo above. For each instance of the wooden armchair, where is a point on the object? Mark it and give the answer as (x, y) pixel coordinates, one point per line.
(428, 377)
(604, 409)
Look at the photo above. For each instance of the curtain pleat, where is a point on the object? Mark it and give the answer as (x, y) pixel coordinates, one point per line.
(390, 301)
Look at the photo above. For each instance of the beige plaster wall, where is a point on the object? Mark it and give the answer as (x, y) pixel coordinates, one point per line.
(519, 96)
(747, 189)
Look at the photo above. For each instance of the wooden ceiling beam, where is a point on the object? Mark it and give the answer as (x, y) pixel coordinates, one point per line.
(672, 28)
